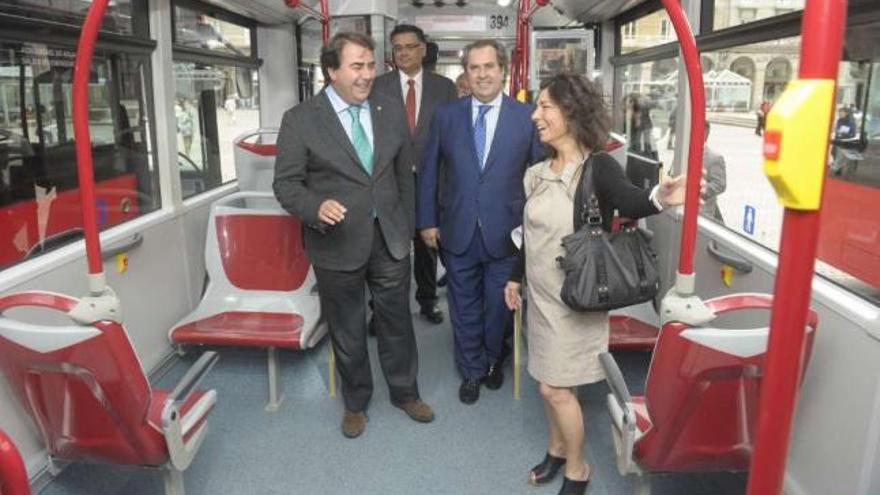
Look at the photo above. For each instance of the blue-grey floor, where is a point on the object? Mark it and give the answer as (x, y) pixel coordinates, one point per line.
(482, 449)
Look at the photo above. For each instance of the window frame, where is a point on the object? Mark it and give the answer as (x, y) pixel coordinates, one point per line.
(56, 34)
(184, 53)
(860, 12)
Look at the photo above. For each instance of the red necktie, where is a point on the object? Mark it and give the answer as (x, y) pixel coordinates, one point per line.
(411, 105)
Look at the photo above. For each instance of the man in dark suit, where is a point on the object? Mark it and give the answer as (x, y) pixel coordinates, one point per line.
(421, 92)
(485, 143)
(342, 169)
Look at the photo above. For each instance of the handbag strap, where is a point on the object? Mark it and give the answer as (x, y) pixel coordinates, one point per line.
(587, 210)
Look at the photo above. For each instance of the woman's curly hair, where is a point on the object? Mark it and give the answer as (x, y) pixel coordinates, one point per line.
(583, 105)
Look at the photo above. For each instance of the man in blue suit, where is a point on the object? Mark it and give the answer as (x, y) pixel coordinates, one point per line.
(486, 141)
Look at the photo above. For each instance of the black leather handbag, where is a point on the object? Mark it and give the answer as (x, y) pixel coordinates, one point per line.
(605, 271)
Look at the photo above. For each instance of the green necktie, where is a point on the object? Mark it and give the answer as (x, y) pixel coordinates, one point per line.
(359, 139)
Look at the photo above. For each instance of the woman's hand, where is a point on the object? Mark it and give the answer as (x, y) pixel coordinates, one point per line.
(511, 295)
(671, 190)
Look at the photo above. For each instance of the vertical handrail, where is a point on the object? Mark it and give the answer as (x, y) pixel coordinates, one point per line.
(519, 63)
(323, 15)
(84, 163)
(697, 136)
(821, 49)
(13, 474)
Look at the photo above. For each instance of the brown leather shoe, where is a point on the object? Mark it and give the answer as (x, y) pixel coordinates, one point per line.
(353, 423)
(418, 411)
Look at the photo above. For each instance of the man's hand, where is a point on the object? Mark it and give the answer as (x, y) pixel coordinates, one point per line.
(431, 237)
(331, 212)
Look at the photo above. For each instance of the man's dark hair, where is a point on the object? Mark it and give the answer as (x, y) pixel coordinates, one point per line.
(500, 52)
(331, 53)
(408, 28)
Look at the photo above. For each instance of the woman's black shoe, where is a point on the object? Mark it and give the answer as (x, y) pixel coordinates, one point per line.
(572, 487)
(546, 470)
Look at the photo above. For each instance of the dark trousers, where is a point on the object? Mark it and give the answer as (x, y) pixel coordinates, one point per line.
(480, 318)
(343, 305)
(425, 272)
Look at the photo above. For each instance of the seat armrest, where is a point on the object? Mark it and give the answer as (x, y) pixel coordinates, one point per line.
(623, 416)
(615, 380)
(183, 443)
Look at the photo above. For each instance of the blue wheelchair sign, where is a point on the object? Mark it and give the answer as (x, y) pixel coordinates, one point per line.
(749, 220)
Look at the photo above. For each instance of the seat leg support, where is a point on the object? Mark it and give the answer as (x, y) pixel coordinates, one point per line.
(275, 396)
(642, 484)
(173, 479)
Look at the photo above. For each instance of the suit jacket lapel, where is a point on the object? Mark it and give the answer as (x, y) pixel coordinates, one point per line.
(426, 104)
(500, 130)
(331, 123)
(467, 112)
(376, 116)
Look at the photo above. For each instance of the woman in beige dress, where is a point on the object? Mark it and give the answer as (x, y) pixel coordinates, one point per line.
(564, 345)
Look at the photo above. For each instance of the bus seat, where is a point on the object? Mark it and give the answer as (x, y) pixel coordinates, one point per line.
(631, 334)
(13, 475)
(261, 290)
(700, 406)
(86, 391)
(255, 153)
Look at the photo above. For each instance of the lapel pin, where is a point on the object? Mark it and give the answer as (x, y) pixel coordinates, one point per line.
(378, 108)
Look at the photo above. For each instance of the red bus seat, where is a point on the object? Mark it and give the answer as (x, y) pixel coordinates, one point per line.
(86, 391)
(631, 334)
(261, 285)
(13, 475)
(701, 397)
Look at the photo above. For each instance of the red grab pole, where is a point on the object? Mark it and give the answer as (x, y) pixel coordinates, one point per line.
(698, 131)
(323, 16)
(821, 48)
(82, 69)
(519, 64)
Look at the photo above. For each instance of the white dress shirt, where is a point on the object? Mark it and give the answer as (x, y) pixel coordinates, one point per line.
(341, 109)
(404, 86)
(491, 120)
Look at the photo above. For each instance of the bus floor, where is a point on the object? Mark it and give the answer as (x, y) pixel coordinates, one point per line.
(486, 448)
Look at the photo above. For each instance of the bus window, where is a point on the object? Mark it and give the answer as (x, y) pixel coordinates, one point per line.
(200, 30)
(117, 19)
(646, 31)
(849, 239)
(39, 200)
(742, 83)
(213, 105)
(647, 112)
(730, 13)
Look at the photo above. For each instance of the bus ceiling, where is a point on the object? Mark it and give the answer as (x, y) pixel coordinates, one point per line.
(271, 12)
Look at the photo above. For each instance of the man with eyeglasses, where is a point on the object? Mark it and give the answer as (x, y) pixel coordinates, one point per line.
(421, 92)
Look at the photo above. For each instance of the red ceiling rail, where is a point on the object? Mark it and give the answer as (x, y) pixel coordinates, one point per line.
(323, 15)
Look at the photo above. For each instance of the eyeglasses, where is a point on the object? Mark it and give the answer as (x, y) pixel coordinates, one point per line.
(408, 48)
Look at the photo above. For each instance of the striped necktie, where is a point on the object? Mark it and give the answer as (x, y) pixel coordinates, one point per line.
(359, 139)
(480, 134)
